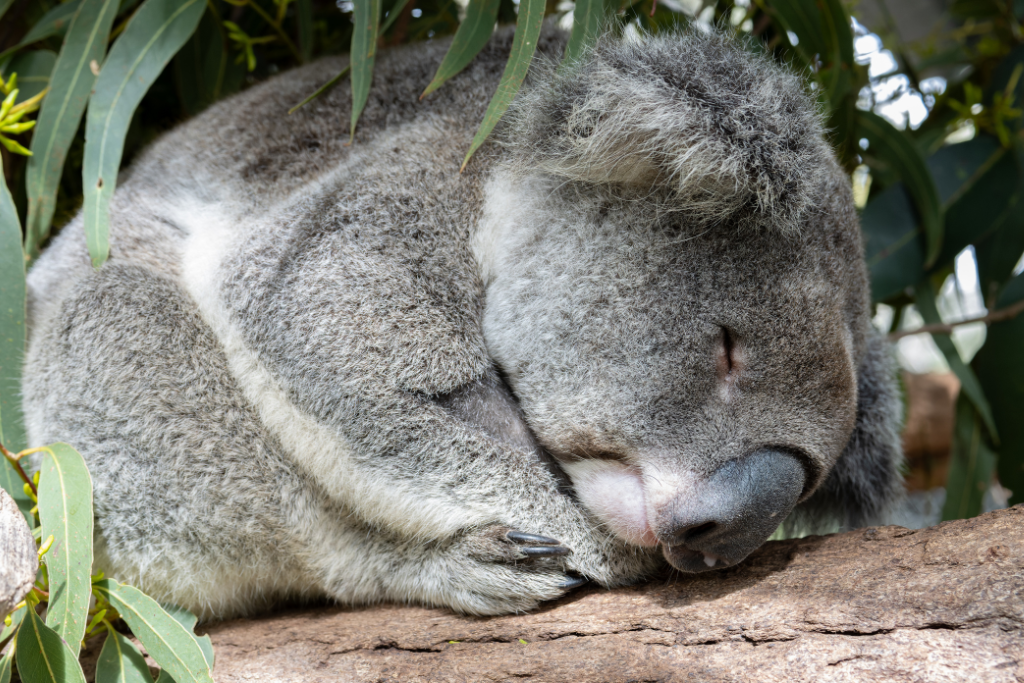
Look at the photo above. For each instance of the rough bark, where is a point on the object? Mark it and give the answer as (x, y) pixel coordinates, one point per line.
(879, 604)
(928, 434)
(18, 559)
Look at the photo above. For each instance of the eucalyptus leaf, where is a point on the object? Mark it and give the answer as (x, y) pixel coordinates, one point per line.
(155, 33)
(588, 20)
(61, 111)
(169, 643)
(304, 16)
(1000, 368)
(43, 656)
(892, 243)
(16, 618)
(366, 20)
(897, 149)
(524, 45)
(33, 69)
(121, 662)
(970, 467)
(54, 23)
(65, 511)
(471, 36)
(12, 344)
(204, 69)
(6, 662)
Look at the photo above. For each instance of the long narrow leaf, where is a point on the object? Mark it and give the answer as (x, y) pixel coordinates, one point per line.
(168, 642)
(524, 45)
(896, 148)
(43, 656)
(588, 18)
(304, 14)
(61, 112)
(189, 621)
(65, 510)
(34, 69)
(5, 666)
(366, 21)
(969, 383)
(121, 662)
(971, 466)
(53, 23)
(12, 342)
(156, 32)
(471, 36)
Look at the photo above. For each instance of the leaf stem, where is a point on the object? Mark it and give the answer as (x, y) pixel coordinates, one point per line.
(1007, 313)
(280, 32)
(13, 459)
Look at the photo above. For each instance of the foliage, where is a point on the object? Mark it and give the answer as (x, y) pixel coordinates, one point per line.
(79, 606)
(139, 67)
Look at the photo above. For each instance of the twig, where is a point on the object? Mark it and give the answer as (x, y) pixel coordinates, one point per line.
(946, 328)
(13, 459)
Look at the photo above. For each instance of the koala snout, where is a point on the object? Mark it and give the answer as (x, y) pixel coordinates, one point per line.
(728, 515)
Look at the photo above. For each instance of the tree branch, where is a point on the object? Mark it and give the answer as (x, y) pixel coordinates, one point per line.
(1007, 313)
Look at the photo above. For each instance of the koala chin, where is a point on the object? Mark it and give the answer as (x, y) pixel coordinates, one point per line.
(634, 331)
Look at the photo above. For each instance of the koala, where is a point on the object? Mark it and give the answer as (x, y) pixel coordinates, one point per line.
(635, 331)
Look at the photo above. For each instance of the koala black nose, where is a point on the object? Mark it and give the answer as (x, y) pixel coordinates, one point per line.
(732, 512)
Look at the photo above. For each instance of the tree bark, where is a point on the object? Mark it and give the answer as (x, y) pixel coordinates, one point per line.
(878, 604)
(18, 559)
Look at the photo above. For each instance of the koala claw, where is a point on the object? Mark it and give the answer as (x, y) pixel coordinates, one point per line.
(545, 551)
(535, 545)
(536, 539)
(572, 582)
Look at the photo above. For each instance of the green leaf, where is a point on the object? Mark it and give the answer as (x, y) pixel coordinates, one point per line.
(366, 21)
(5, 666)
(65, 510)
(1000, 367)
(155, 33)
(33, 69)
(168, 642)
(969, 384)
(983, 205)
(304, 14)
(825, 41)
(188, 620)
(204, 69)
(524, 45)
(892, 244)
(998, 252)
(4, 6)
(12, 343)
(16, 618)
(971, 465)
(897, 149)
(588, 20)
(471, 36)
(61, 112)
(54, 23)
(121, 662)
(43, 656)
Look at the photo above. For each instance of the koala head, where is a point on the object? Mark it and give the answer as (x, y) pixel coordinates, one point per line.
(676, 291)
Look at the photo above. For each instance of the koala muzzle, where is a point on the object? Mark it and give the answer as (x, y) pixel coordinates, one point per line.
(732, 512)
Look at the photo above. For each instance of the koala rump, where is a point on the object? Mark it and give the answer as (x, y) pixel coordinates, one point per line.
(636, 329)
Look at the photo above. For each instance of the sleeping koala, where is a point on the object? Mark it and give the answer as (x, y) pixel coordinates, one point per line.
(634, 330)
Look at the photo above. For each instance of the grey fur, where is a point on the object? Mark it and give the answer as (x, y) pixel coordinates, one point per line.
(310, 369)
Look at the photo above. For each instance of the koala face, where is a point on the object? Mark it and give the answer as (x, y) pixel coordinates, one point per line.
(695, 381)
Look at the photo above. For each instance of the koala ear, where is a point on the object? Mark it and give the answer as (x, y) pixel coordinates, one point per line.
(731, 135)
(867, 481)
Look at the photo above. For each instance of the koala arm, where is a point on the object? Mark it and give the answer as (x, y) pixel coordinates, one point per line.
(368, 364)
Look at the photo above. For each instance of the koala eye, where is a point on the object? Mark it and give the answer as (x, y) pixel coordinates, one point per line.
(729, 357)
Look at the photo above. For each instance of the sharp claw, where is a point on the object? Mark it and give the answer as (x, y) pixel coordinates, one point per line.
(534, 539)
(545, 551)
(572, 582)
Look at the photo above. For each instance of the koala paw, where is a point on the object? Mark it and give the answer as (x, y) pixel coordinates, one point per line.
(499, 570)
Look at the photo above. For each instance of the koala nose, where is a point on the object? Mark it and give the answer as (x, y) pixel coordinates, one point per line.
(733, 512)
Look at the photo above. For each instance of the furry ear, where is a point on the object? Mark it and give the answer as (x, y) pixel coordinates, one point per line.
(867, 481)
(731, 134)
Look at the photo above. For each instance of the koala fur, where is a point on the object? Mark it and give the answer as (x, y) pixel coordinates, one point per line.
(317, 370)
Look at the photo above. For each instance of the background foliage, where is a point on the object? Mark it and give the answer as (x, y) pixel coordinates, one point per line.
(116, 73)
